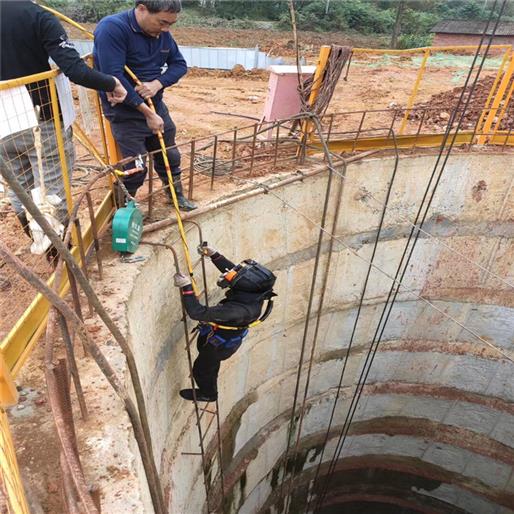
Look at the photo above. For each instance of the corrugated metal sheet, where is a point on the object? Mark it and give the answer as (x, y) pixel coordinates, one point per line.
(505, 28)
(210, 58)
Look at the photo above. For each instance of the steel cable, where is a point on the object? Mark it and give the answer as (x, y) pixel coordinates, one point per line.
(384, 319)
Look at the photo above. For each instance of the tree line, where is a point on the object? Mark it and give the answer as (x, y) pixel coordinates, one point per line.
(407, 21)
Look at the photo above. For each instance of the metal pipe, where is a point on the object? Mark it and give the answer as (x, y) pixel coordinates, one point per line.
(306, 327)
(415, 89)
(64, 431)
(358, 131)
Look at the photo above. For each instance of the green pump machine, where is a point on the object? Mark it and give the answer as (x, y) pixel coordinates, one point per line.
(127, 229)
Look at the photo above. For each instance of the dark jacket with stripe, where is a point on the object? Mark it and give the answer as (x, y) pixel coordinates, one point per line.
(237, 309)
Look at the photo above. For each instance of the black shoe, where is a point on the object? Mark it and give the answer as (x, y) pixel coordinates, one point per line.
(183, 203)
(187, 394)
(24, 222)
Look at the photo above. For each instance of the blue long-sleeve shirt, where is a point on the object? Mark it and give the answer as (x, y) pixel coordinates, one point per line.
(120, 41)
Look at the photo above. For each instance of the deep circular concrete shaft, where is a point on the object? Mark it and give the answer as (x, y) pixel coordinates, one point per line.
(434, 431)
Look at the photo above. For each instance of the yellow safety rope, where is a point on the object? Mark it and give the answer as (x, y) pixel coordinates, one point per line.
(150, 103)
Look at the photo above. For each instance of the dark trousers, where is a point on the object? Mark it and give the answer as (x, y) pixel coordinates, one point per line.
(134, 138)
(207, 365)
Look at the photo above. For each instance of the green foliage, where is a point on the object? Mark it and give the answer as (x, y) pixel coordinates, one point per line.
(254, 10)
(363, 16)
(351, 14)
(89, 10)
(414, 40)
(418, 22)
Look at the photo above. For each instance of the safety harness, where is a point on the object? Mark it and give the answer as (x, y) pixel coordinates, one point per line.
(209, 329)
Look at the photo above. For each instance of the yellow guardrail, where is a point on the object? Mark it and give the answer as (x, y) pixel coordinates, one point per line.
(22, 338)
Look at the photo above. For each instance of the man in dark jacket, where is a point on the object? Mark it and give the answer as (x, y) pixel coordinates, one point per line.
(141, 39)
(223, 327)
(29, 36)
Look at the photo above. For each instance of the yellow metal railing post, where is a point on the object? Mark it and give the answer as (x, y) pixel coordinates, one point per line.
(60, 143)
(483, 115)
(319, 73)
(507, 76)
(8, 392)
(10, 477)
(415, 90)
(503, 110)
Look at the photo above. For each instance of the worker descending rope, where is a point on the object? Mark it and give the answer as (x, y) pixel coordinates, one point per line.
(223, 327)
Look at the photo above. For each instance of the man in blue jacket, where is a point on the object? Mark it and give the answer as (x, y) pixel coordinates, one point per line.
(141, 39)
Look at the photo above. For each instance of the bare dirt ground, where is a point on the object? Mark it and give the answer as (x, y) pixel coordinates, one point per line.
(278, 43)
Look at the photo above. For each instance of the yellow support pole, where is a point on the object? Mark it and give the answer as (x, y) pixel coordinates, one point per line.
(60, 143)
(324, 54)
(507, 76)
(493, 89)
(415, 90)
(319, 73)
(10, 473)
(8, 392)
(506, 102)
(88, 144)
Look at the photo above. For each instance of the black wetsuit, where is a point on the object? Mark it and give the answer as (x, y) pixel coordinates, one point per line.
(237, 309)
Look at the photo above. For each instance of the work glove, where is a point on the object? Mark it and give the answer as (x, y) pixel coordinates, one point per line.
(206, 250)
(181, 280)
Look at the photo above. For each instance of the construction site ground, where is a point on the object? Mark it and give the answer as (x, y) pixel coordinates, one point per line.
(204, 103)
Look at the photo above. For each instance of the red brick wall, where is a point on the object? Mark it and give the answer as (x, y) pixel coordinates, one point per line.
(464, 39)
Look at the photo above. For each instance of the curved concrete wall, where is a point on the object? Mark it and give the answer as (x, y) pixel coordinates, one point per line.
(434, 431)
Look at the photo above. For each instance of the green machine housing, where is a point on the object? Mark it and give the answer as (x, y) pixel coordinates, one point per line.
(127, 228)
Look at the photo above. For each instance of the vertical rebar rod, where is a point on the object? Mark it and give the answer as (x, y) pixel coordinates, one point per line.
(150, 185)
(80, 240)
(277, 139)
(214, 155)
(424, 112)
(329, 133)
(191, 170)
(75, 295)
(358, 131)
(234, 144)
(94, 230)
(220, 452)
(70, 354)
(254, 139)
(506, 139)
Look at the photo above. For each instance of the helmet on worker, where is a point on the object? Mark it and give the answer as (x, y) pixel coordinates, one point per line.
(249, 276)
